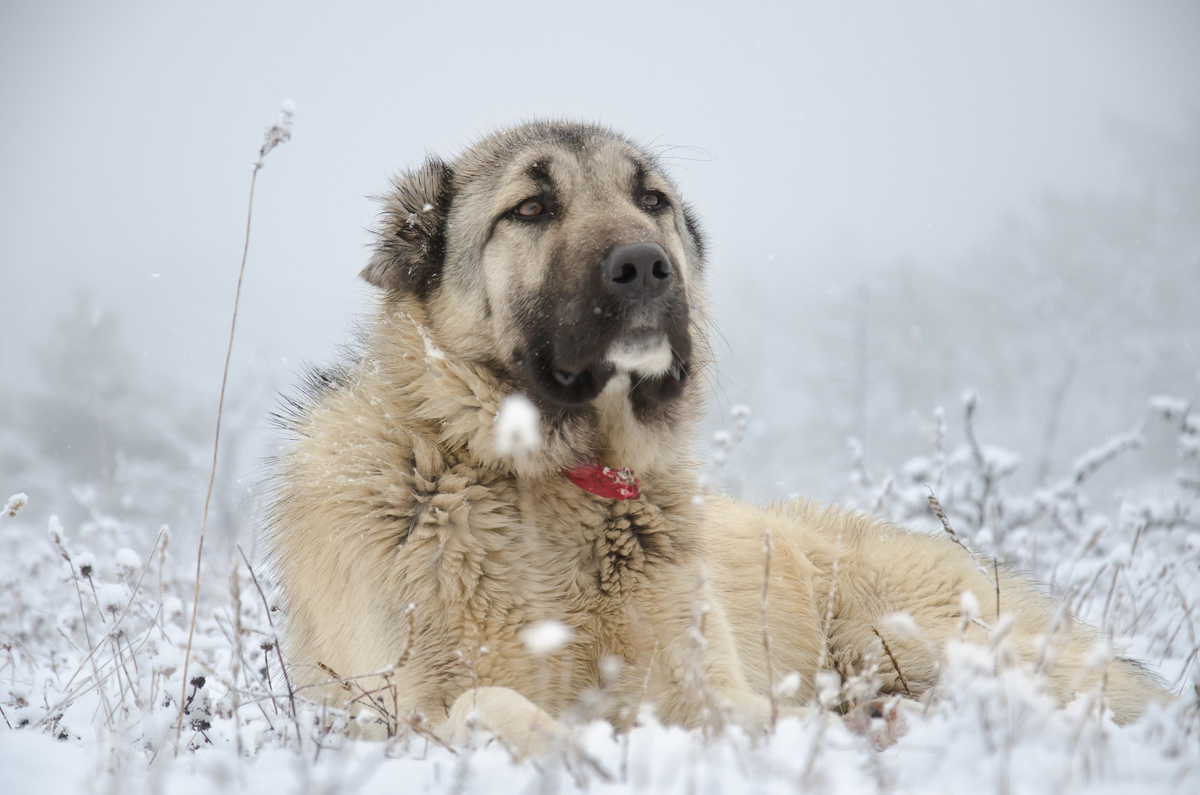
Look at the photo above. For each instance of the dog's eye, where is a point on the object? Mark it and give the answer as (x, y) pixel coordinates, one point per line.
(652, 200)
(530, 208)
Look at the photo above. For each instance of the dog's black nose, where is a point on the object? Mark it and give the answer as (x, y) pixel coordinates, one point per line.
(638, 271)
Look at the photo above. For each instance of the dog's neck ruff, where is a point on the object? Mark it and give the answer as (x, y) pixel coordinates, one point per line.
(614, 484)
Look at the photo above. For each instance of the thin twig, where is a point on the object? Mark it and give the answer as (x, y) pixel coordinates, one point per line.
(213, 471)
(986, 472)
(971, 402)
(996, 575)
(235, 666)
(412, 635)
(939, 447)
(766, 633)
(632, 717)
(941, 515)
(332, 674)
(62, 550)
(888, 651)
(287, 680)
(391, 721)
(275, 135)
(829, 609)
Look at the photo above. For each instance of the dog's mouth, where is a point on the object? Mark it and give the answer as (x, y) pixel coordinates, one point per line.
(653, 362)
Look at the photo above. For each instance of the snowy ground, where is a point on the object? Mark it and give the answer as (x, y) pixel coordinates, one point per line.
(94, 621)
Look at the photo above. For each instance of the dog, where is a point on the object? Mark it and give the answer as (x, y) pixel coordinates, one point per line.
(427, 544)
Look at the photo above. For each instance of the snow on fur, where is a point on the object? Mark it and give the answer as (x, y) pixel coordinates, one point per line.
(518, 427)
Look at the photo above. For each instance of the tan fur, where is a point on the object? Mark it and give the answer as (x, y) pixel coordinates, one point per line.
(392, 494)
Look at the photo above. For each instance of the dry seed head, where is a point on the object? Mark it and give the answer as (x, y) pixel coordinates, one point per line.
(128, 562)
(941, 514)
(279, 132)
(15, 503)
(112, 597)
(57, 535)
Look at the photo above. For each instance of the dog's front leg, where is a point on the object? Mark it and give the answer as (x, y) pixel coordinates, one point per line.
(524, 727)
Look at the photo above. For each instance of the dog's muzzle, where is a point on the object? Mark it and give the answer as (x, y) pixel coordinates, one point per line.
(627, 314)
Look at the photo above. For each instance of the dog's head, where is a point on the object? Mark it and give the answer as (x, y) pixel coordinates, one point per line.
(563, 254)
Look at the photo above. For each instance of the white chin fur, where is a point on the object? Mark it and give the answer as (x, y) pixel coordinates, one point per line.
(652, 357)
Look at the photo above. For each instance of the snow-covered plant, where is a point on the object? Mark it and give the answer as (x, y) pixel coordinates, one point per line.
(1133, 569)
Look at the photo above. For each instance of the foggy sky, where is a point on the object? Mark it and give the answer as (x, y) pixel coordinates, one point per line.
(819, 140)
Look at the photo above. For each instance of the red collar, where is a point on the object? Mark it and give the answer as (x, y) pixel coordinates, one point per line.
(615, 484)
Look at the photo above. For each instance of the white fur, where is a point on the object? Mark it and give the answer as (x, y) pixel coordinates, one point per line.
(651, 357)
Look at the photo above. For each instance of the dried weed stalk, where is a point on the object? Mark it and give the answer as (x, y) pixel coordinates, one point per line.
(766, 632)
(279, 132)
(941, 515)
(287, 680)
(895, 663)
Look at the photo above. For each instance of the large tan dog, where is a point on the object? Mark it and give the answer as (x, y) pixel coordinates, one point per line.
(429, 556)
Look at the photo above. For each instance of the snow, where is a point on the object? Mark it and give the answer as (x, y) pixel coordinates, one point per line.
(517, 427)
(1001, 463)
(545, 637)
(127, 561)
(788, 685)
(899, 625)
(1172, 408)
(432, 351)
(112, 597)
(970, 606)
(1095, 458)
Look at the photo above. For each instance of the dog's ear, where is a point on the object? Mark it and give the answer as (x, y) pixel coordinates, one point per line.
(411, 239)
